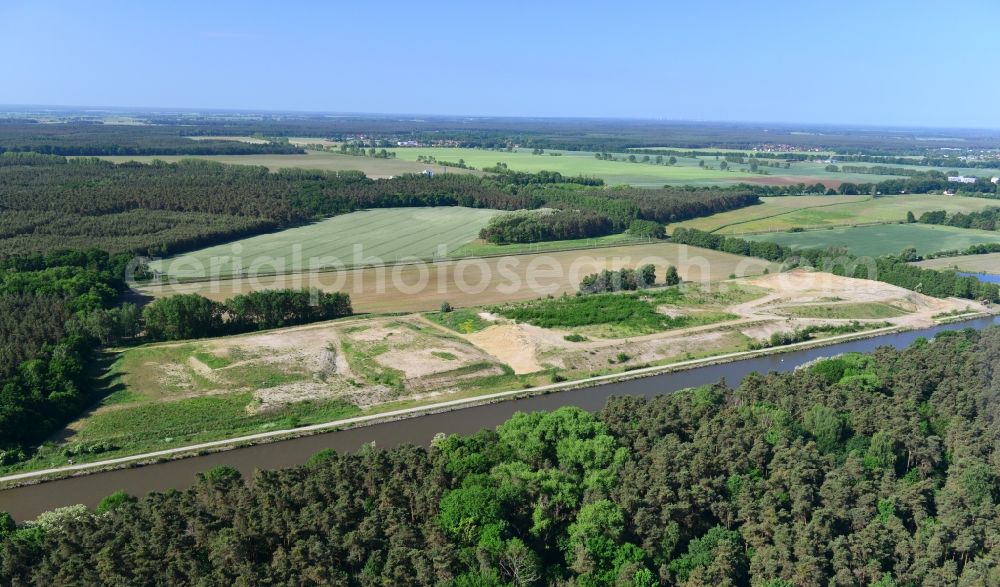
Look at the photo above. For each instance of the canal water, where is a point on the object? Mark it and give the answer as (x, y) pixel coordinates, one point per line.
(984, 277)
(27, 502)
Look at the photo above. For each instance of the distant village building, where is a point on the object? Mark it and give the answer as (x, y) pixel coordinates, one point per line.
(962, 179)
(995, 180)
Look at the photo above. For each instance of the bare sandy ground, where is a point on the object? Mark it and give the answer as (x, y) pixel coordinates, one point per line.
(512, 344)
(801, 287)
(433, 361)
(528, 348)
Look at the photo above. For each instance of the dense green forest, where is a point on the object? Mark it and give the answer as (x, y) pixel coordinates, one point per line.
(53, 203)
(89, 138)
(872, 469)
(54, 313)
(896, 270)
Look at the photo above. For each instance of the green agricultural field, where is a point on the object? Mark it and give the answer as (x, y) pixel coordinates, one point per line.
(784, 213)
(358, 238)
(574, 163)
(322, 160)
(988, 263)
(883, 239)
(687, 170)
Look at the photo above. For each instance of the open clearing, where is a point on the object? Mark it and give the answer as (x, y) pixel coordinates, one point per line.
(194, 391)
(884, 239)
(474, 282)
(367, 237)
(784, 213)
(756, 309)
(175, 394)
(322, 160)
(988, 263)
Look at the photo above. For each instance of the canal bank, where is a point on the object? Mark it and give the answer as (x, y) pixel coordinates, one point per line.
(28, 501)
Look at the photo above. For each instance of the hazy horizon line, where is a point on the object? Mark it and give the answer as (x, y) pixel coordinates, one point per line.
(26, 109)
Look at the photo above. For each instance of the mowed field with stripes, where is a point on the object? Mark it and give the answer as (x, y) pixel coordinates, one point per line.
(359, 238)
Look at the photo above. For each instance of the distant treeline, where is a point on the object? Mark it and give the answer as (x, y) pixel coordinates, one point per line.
(922, 183)
(925, 161)
(877, 170)
(72, 139)
(980, 249)
(588, 213)
(543, 177)
(894, 270)
(193, 316)
(535, 133)
(987, 219)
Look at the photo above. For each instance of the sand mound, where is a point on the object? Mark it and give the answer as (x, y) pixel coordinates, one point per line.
(511, 344)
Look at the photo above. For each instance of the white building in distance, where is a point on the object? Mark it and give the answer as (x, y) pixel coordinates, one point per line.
(962, 179)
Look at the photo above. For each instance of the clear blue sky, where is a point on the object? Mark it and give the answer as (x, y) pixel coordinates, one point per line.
(876, 62)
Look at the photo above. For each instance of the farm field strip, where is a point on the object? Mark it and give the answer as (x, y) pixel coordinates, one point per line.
(321, 160)
(784, 213)
(389, 235)
(847, 200)
(883, 239)
(575, 163)
(988, 263)
(687, 170)
(514, 277)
